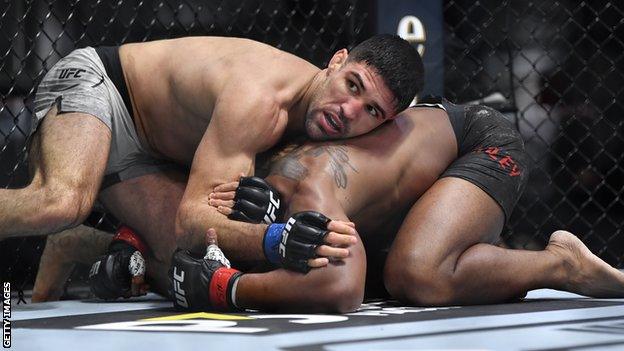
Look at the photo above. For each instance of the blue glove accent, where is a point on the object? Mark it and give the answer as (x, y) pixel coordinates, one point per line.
(271, 242)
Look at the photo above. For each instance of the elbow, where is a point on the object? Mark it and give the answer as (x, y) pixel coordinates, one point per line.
(180, 238)
(346, 297)
(346, 288)
(183, 227)
(343, 285)
(337, 295)
(190, 225)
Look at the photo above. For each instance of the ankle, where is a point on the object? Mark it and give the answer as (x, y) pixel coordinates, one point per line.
(560, 270)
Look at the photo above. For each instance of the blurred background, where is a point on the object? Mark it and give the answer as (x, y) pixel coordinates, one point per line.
(555, 68)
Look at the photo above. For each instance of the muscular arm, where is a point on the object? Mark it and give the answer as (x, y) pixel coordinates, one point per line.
(235, 134)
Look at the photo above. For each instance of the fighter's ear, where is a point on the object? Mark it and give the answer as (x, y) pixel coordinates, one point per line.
(339, 58)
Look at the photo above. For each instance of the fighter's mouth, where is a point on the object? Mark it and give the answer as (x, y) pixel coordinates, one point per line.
(333, 124)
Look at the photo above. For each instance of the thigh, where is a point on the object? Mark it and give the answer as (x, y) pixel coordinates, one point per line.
(70, 150)
(149, 204)
(451, 216)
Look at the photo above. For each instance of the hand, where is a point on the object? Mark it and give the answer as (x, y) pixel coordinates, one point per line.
(297, 244)
(251, 200)
(121, 272)
(138, 286)
(222, 197)
(203, 283)
(342, 235)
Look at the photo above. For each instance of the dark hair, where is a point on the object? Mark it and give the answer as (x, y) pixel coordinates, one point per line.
(396, 61)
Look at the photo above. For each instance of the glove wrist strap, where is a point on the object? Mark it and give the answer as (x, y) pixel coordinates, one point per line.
(128, 236)
(271, 242)
(220, 289)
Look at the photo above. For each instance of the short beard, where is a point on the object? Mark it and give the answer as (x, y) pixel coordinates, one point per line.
(309, 126)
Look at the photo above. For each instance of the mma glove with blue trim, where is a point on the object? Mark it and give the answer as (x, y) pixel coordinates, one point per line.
(289, 244)
(293, 243)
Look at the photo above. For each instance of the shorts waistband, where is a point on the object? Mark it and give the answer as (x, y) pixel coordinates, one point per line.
(109, 55)
(456, 114)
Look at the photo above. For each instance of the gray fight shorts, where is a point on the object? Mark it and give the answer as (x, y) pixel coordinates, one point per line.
(79, 83)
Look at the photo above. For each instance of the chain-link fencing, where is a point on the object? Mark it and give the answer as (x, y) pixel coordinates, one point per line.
(554, 67)
(559, 66)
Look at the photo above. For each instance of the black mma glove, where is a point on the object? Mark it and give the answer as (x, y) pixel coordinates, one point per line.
(256, 201)
(291, 244)
(111, 275)
(202, 283)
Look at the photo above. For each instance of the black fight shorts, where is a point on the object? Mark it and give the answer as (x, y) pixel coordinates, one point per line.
(491, 153)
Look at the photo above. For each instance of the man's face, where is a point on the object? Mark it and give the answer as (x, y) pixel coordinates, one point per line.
(352, 101)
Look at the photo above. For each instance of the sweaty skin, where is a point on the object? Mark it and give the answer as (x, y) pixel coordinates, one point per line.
(324, 175)
(219, 101)
(442, 253)
(208, 102)
(373, 179)
(211, 103)
(174, 86)
(387, 184)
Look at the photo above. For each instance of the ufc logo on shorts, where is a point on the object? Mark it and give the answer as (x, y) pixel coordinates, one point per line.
(274, 205)
(282, 247)
(179, 293)
(71, 73)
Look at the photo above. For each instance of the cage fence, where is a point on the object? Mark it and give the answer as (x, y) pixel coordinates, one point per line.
(555, 68)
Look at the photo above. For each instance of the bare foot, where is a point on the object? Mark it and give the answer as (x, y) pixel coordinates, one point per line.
(586, 273)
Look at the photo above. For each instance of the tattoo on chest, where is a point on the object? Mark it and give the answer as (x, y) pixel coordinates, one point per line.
(290, 166)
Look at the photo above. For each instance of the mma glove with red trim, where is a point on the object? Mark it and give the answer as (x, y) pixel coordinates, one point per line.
(203, 283)
(111, 275)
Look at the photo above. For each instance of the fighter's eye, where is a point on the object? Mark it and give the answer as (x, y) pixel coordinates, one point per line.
(371, 110)
(352, 86)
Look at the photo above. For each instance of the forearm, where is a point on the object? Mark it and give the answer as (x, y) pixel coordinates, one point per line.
(338, 287)
(240, 241)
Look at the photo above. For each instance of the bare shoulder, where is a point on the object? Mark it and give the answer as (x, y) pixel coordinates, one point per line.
(257, 122)
(432, 129)
(224, 54)
(301, 175)
(253, 54)
(430, 146)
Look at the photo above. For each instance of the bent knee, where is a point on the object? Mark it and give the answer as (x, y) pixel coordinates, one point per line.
(421, 286)
(65, 208)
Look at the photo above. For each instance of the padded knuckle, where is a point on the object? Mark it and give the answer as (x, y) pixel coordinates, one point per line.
(254, 195)
(254, 182)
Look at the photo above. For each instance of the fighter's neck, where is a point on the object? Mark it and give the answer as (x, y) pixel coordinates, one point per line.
(298, 110)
